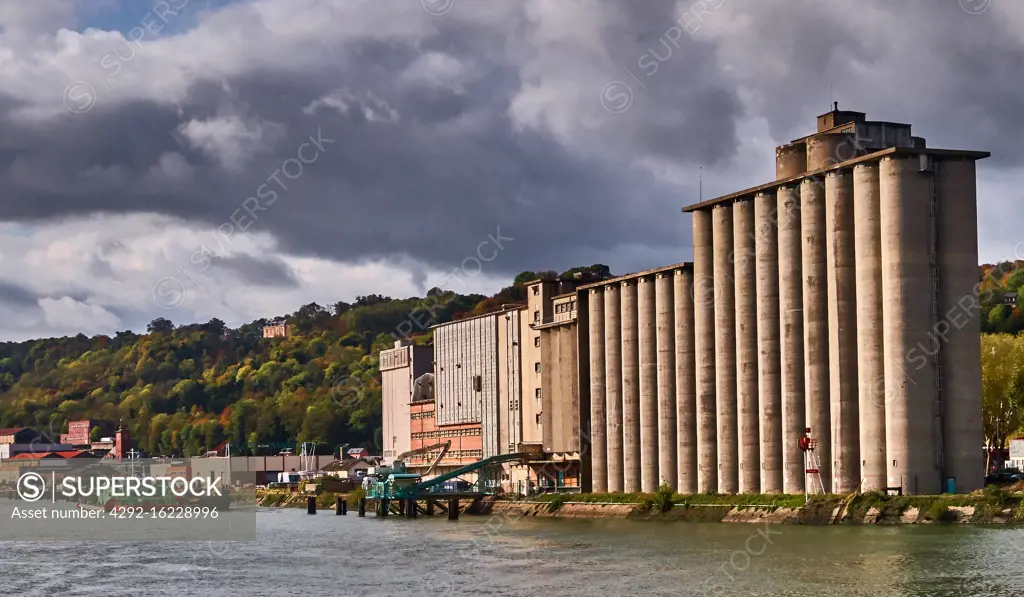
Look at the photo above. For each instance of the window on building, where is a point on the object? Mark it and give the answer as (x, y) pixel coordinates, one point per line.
(478, 383)
(537, 392)
(538, 418)
(536, 316)
(536, 367)
(536, 290)
(536, 341)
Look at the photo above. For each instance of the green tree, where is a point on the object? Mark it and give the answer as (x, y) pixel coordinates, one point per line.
(1002, 388)
(160, 326)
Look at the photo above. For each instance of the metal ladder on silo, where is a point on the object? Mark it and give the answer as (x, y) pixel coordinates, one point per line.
(929, 167)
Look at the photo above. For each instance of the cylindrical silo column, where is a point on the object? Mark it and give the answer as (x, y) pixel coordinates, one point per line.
(665, 306)
(704, 351)
(686, 383)
(960, 349)
(791, 345)
(598, 443)
(769, 384)
(907, 307)
(630, 388)
(815, 309)
(648, 385)
(870, 348)
(725, 351)
(746, 345)
(842, 325)
(613, 385)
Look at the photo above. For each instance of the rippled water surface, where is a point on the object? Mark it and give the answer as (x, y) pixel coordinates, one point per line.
(299, 554)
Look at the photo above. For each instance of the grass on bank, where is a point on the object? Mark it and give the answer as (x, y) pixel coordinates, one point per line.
(988, 505)
(664, 499)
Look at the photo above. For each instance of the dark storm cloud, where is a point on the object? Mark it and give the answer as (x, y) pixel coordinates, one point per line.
(952, 74)
(457, 168)
(258, 272)
(432, 186)
(17, 294)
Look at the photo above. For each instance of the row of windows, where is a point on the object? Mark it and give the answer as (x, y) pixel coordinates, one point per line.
(566, 307)
(453, 454)
(466, 454)
(429, 414)
(446, 433)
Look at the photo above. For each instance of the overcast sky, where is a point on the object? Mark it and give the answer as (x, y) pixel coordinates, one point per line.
(236, 159)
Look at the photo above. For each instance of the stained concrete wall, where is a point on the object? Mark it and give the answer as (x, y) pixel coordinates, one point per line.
(842, 325)
(725, 351)
(957, 330)
(790, 160)
(871, 380)
(646, 318)
(905, 197)
(630, 388)
(769, 373)
(745, 267)
(686, 383)
(815, 311)
(791, 345)
(613, 386)
(704, 348)
(667, 449)
(598, 437)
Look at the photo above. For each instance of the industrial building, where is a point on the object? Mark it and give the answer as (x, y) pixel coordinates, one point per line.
(836, 302)
(498, 383)
(863, 263)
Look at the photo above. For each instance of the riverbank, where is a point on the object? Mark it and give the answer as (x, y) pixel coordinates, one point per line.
(993, 506)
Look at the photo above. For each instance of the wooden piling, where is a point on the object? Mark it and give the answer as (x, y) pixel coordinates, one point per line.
(362, 506)
(311, 505)
(453, 509)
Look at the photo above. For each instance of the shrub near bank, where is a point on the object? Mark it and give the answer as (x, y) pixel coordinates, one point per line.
(989, 505)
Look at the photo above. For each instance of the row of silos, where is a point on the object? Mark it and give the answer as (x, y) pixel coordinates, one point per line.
(642, 393)
(839, 303)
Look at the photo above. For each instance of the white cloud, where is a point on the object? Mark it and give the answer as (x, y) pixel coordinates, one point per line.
(231, 140)
(67, 313)
(88, 271)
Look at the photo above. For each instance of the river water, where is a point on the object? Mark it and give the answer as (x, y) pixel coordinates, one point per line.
(328, 555)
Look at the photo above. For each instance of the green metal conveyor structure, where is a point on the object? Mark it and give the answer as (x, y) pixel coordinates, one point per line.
(405, 486)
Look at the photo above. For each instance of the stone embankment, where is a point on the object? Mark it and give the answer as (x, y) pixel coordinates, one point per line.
(990, 507)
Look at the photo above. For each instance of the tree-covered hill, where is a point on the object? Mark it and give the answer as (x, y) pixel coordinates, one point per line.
(1000, 311)
(184, 390)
